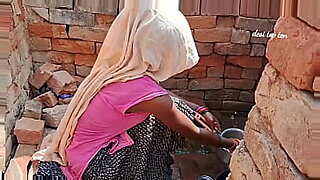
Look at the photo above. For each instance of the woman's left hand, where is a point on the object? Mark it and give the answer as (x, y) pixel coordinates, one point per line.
(212, 121)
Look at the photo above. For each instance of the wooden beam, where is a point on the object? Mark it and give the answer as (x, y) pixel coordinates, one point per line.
(289, 8)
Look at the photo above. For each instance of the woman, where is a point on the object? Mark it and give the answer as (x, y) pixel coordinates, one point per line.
(119, 124)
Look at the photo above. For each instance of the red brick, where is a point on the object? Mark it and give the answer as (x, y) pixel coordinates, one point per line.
(204, 48)
(253, 74)
(225, 21)
(40, 44)
(213, 60)
(233, 72)
(213, 35)
(213, 105)
(316, 84)
(215, 72)
(29, 131)
(61, 82)
(47, 99)
(225, 94)
(245, 61)
(175, 84)
(104, 20)
(232, 49)
(198, 72)
(253, 24)
(206, 84)
(61, 57)
(258, 50)
(85, 60)
(48, 30)
(88, 33)
(244, 84)
(297, 57)
(42, 74)
(201, 22)
(187, 93)
(73, 46)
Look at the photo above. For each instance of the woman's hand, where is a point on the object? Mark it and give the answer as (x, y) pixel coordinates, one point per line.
(212, 121)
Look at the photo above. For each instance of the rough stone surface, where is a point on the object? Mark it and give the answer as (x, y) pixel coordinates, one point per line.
(213, 60)
(61, 82)
(225, 21)
(213, 35)
(299, 61)
(246, 96)
(40, 44)
(292, 115)
(83, 71)
(236, 106)
(29, 131)
(253, 74)
(198, 72)
(240, 36)
(175, 84)
(104, 20)
(233, 72)
(53, 116)
(232, 49)
(316, 84)
(258, 50)
(239, 84)
(42, 12)
(47, 99)
(242, 166)
(70, 17)
(85, 60)
(215, 72)
(202, 22)
(61, 57)
(25, 150)
(32, 109)
(47, 138)
(226, 94)
(42, 74)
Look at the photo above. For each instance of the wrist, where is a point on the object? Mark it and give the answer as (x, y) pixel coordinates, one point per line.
(201, 109)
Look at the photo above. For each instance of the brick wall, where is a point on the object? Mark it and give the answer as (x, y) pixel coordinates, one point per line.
(54, 49)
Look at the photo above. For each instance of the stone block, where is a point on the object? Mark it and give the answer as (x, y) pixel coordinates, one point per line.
(253, 24)
(233, 72)
(42, 74)
(213, 35)
(213, 60)
(70, 68)
(83, 71)
(198, 72)
(29, 131)
(245, 61)
(185, 93)
(39, 57)
(232, 49)
(252, 74)
(85, 60)
(98, 47)
(204, 48)
(42, 12)
(236, 106)
(213, 105)
(47, 99)
(47, 138)
(175, 84)
(202, 22)
(25, 150)
(225, 21)
(240, 36)
(53, 116)
(244, 84)
(299, 61)
(215, 72)
(206, 84)
(71, 17)
(88, 33)
(32, 109)
(258, 50)
(47, 30)
(73, 46)
(316, 84)
(61, 82)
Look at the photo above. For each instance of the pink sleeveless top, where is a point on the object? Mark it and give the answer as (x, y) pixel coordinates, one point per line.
(105, 121)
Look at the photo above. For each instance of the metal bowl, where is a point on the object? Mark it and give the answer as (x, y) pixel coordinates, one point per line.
(229, 133)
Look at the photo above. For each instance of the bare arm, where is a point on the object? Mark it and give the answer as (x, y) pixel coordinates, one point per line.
(163, 108)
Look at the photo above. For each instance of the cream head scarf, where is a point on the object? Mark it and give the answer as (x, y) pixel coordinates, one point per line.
(148, 37)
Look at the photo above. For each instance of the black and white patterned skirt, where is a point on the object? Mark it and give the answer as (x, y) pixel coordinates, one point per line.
(147, 159)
